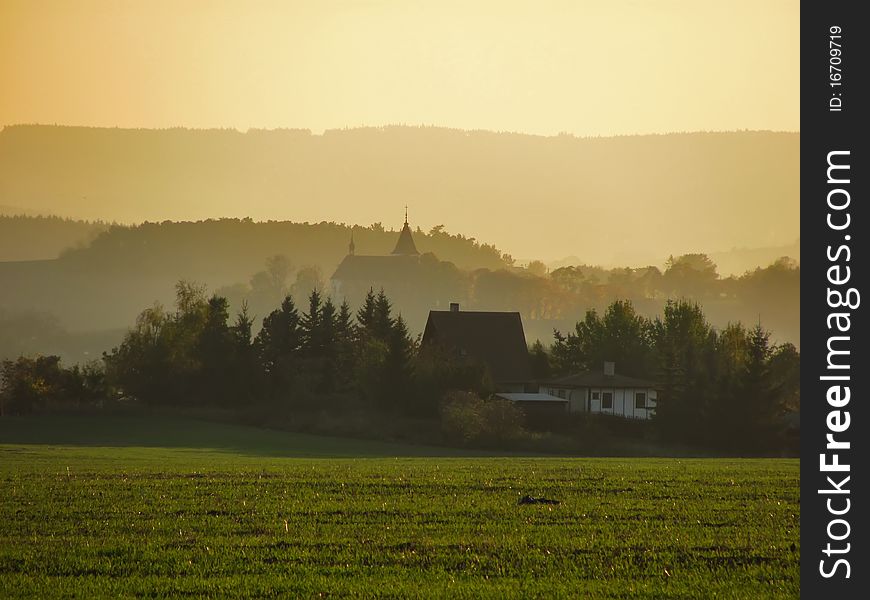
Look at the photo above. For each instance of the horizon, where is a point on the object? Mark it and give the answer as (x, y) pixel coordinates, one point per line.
(535, 68)
(322, 132)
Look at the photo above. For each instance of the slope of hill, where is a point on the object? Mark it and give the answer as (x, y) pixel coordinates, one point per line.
(105, 284)
(622, 200)
(40, 238)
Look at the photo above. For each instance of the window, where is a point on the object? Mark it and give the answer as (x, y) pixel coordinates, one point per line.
(607, 400)
(640, 400)
(561, 393)
(596, 395)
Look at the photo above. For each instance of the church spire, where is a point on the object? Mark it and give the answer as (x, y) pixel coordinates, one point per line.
(405, 245)
(351, 248)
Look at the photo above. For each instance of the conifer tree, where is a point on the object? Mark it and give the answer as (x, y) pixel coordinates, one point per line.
(382, 321)
(365, 316)
(344, 346)
(278, 346)
(312, 326)
(398, 364)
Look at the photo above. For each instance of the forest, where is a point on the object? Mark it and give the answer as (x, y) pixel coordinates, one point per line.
(723, 389)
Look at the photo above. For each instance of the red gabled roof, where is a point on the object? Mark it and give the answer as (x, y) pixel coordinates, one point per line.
(496, 339)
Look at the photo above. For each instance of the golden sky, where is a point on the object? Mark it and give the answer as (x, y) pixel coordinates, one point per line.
(585, 67)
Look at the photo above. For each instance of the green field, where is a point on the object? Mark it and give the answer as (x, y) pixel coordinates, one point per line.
(168, 508)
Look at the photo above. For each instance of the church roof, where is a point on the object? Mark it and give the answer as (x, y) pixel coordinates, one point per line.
(374, 269)
(405, 245)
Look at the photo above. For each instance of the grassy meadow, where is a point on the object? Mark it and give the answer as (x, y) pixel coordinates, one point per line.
(160, 507)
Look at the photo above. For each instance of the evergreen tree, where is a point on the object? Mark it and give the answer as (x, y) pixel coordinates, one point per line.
(329, 347)
(382, 321)
(365, 316)
(215, 354)
(540, 361)
(344, 346)
(685, 343)
(397, 369)
(312, 326)
(763, 398)
(278, 347)
(726, 417)
(247, 374)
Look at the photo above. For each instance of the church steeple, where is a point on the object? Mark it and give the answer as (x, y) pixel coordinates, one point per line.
(405, 245)
(351, 248)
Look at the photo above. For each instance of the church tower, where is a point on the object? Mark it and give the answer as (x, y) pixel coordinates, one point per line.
(351, 248)
(405, 246)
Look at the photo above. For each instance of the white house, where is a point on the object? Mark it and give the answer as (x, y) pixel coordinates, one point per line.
(605, 392)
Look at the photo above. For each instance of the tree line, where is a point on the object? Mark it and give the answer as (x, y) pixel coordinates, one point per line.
(729, 388)
(725, 388)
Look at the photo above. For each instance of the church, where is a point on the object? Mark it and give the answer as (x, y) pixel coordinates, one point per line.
(359, 273)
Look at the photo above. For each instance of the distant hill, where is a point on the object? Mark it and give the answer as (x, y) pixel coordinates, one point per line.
(103, 285)
(619, 200)
(40, 238)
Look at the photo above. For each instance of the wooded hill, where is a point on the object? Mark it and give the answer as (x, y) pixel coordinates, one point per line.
(627, 200)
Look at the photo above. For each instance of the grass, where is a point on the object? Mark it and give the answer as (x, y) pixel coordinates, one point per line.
(169, 508)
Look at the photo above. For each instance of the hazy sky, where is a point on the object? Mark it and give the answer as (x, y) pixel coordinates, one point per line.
(586, 67)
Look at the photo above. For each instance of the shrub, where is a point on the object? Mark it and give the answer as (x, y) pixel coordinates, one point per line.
(468, 419)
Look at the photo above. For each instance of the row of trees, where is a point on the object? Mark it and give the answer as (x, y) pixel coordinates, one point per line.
(27, 382)
(728, 387)
(196, 356)
(557, 296)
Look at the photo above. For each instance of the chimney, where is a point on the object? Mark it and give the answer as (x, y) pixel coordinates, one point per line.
(610, 369)
(454, 307)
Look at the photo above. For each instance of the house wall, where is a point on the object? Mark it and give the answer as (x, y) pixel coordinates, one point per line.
(577, 400)
(623, 405)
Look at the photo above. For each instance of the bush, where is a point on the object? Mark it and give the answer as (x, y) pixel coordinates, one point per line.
(33, 384)
(468, 419)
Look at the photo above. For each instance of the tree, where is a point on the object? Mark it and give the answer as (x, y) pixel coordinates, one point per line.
(278, 346)
(247, 371)
(685, 344)
(308, 279)
(382, 321)
(763, 400)
(345, 335)
(540, 361)
(29, 384)
(365, 316)
(215, 352)
(312, 326)
(397, 367)
(141, 366)
(621, 336)
(328, 347)
(785, 373)
(690, 275)
(538, 268)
